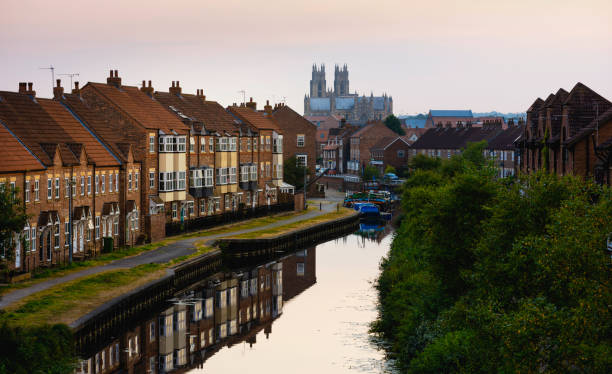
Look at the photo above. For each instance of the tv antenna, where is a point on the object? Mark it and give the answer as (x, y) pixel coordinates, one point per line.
(243, 92)
(71, 75)
(52, 74)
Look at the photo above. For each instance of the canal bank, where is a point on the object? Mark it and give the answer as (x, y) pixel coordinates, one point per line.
(313, 304)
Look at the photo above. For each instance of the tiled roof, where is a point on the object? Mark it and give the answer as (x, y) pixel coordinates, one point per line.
(27, 119)
(14, 155)
(451, 113)
(140, 107)
(506, 138)
(288, 118)
(101, 128)
(256, 119)
(324, 122)
(210, 113)
(584, 104)
(556, 105)
(453, 137)
(379, 127)
(536, 105)
(95, 151)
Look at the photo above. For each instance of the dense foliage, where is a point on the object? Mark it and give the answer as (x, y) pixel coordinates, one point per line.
(394, 124)
(36, 350)
(498, 276)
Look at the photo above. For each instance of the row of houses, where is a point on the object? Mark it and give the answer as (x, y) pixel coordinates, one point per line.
(115, 163)
(568, 133)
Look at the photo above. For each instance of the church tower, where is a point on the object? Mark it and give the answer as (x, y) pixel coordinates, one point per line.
(341, 81)
(318, 87)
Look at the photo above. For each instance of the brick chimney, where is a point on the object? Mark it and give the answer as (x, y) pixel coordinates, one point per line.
(23, 87)
(468, 125)
(251, 104)
(267, 107)
(29, 91)
(175, 89)
(200, 94)
(148, 90)
(114, 79)
(76, 90)
(58, 90)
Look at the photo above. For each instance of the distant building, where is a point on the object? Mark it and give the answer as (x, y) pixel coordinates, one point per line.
(453, 118)
(340, 102)
(390, 151)
(361, 144)
(445, 141)
(325, 122)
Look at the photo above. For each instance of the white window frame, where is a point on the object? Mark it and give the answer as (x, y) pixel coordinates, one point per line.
(97, 227)
(49, 188)
(151, 143)
(152, 180)
(301, 140)
(103, 182)
(27, 191)
(82, 185)
(57, 188)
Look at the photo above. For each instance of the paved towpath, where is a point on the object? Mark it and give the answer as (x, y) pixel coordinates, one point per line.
(163, 254)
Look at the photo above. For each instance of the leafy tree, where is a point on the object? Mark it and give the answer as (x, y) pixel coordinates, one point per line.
(390, 169)
(12, 220)
(394, 124)
(370, 173)
(294, 174)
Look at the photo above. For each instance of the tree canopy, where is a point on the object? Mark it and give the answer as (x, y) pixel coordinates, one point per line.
(393, 123)
(12, 221)
(294, 174)
(495, 275)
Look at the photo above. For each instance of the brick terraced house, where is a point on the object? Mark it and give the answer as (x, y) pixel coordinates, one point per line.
(391, 151)
(574, 128)
(159, 139)
(74, 165)
(361, 143)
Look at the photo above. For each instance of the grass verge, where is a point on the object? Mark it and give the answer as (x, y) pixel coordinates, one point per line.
(106, 258)
(341, 213)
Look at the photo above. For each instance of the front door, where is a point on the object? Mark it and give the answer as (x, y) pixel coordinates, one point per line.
(74, 238)
(18, 253)
(81, 234)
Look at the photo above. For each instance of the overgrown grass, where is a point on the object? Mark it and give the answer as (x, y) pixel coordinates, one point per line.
(341, 213)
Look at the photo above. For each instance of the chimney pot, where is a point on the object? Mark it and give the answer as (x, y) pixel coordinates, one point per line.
(143, 84)
(22, 87)
(29, 86)
(58, 82)
(178, 84)
(116, 73)
(172, 83)
(149, 84)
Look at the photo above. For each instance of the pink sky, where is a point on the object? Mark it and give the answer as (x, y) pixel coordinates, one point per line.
(478, 54)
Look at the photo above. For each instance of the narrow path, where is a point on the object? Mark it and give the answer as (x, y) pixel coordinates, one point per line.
(163, 254)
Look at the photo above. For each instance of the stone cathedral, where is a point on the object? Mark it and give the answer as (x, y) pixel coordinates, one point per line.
(340, 102)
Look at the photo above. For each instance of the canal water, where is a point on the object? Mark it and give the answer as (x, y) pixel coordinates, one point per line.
(304, 312)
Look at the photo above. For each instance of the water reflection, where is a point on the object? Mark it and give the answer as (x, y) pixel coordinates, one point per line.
(325, 329)
(225, 309)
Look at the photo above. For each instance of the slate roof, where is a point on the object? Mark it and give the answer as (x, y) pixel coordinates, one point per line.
(345, 103)
(590, 128)
(318, 104)
(505, 139)
(140, 107)
(256, 119)
(372, 126)
(450, 113)
(14, 155)
(581, 101)
(210, 113)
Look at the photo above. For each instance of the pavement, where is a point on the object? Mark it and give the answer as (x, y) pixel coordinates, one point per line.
(168, 252)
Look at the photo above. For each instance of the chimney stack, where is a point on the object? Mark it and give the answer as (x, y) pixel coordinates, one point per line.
(23, 87)
(148, 90)
(114, 79)
(200, 94)
(175, 89)
(251, 104)
(30, 91)
(58, 91)
(268, 108)
(76, 90)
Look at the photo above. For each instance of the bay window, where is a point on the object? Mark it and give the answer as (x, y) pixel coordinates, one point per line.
(244, 173)
(232, 175)
(253, 173)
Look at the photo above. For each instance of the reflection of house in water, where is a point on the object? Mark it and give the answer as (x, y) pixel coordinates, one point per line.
(222, 310)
